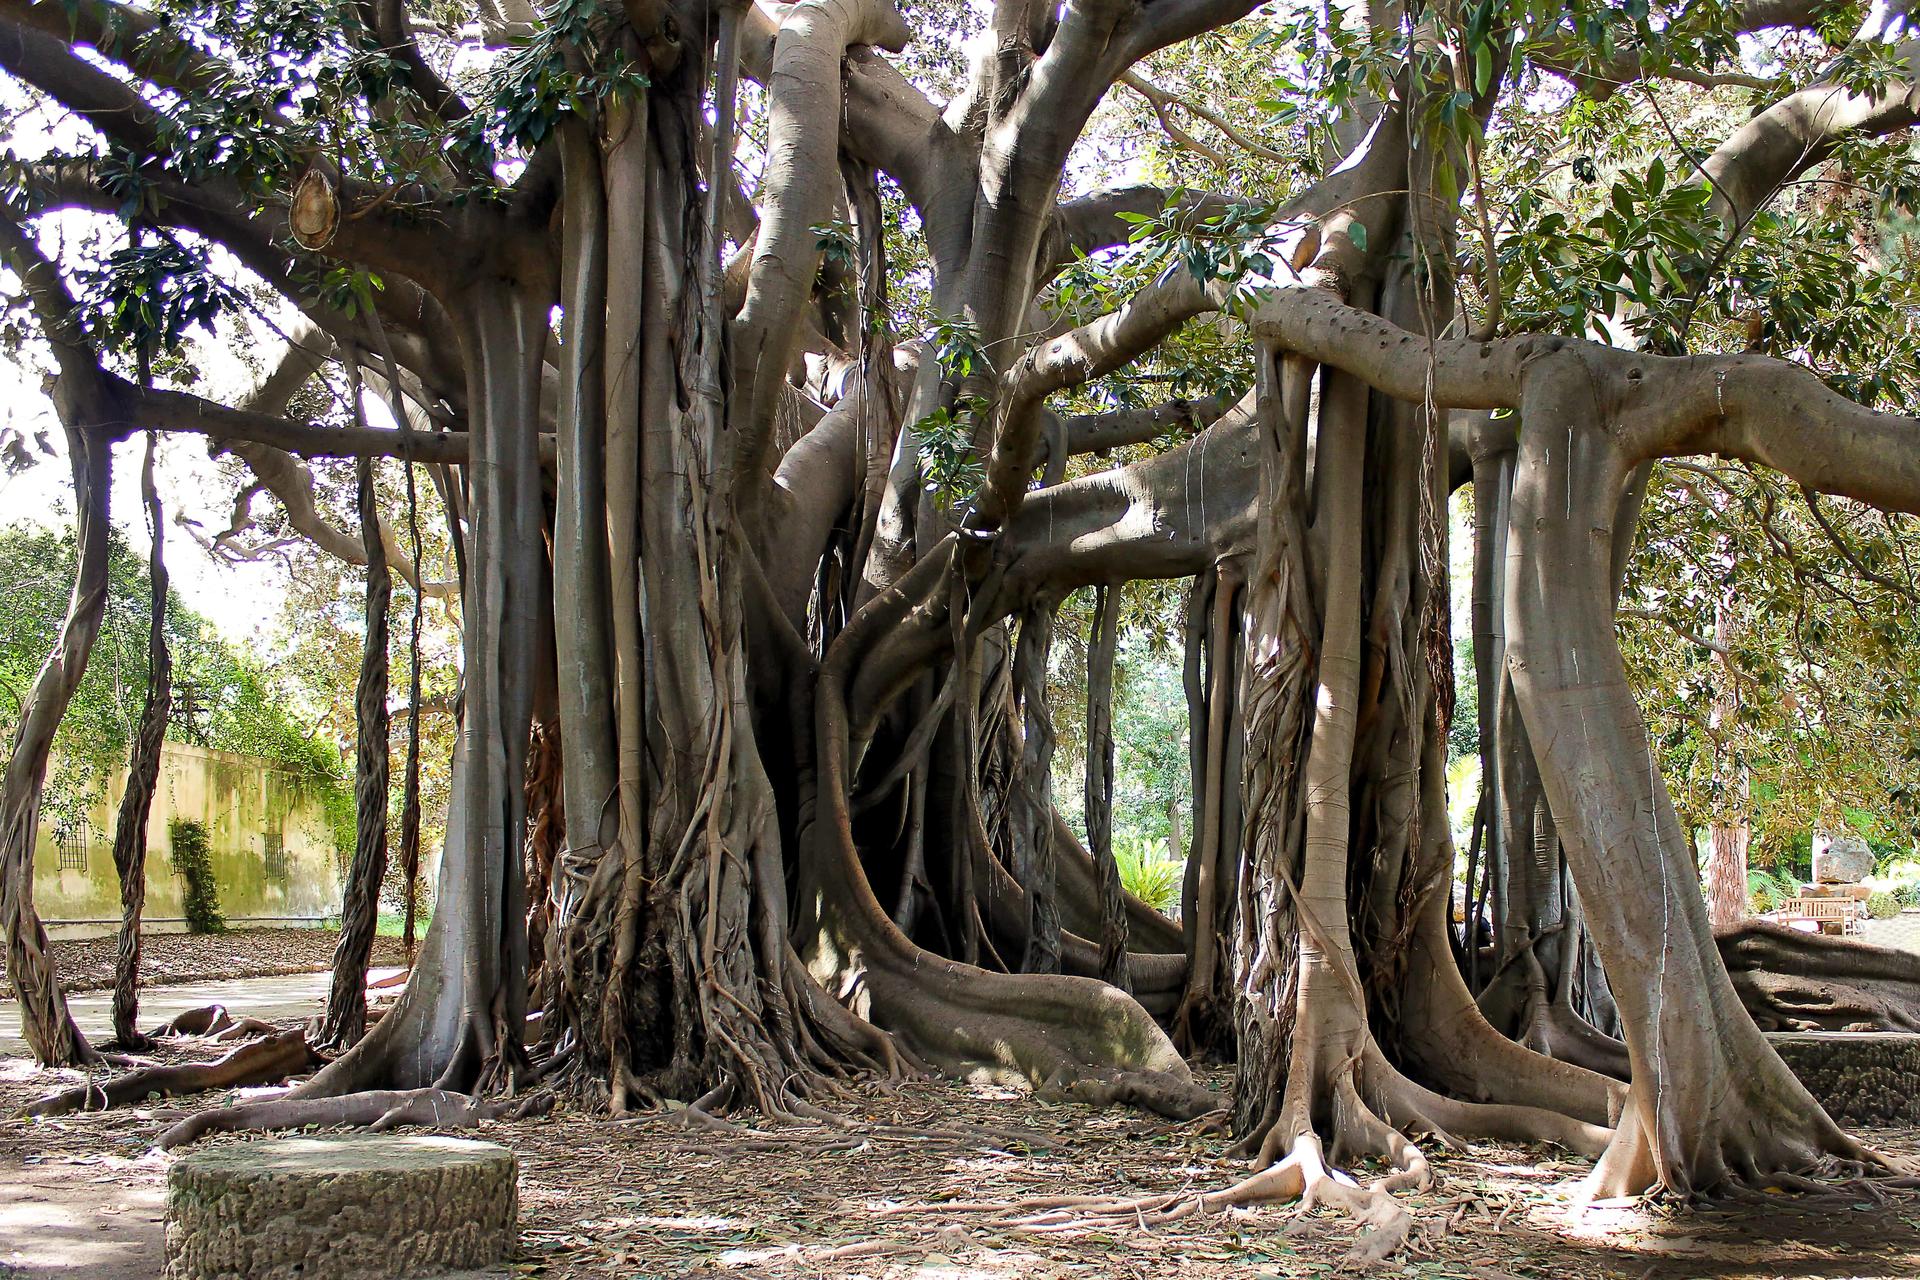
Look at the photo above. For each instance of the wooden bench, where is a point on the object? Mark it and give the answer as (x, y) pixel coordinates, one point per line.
(1843, 916)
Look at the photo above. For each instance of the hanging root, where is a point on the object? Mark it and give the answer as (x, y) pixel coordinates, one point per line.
(1033, 1028)
(278, 1056)
(378, 1110)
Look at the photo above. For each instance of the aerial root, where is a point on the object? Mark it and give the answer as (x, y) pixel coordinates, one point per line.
(376, 1109)
(279, 1055)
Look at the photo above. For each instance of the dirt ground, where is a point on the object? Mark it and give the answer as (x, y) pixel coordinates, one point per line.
(653, 1199)
(167, 959)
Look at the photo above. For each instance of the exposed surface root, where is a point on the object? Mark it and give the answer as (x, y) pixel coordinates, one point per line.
(204, 1020)
(378, 1110)
(276, 1057)
(1758, 1140)
(1160, 1092)
(1304, 1176)
(1793, 981)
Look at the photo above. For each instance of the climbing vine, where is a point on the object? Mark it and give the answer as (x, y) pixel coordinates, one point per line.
(193, 860)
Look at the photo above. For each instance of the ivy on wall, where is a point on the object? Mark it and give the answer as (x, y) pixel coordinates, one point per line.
(193, 861)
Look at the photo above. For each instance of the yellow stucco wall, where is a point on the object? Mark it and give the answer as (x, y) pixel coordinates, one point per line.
(241, 800)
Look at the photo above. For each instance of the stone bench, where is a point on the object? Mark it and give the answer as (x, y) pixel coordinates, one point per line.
(356, 1208)
(1870, 1078)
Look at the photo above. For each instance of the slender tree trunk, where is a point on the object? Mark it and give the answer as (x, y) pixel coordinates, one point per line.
(1033, 827)
(410, 784)
(1727, 900)
(130, 830)
(1099, 787)
(360, 903)
(45, 1022)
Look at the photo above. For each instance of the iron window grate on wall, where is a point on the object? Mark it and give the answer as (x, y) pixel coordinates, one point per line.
(75, 838)
(273, 851)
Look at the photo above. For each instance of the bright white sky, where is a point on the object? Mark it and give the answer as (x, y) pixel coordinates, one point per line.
(239, 599)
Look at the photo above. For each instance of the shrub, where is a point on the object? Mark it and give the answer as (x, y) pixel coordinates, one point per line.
(1769, 891)
(192, 858)
(1908, 894)
(1883, 906)
(1152, 879)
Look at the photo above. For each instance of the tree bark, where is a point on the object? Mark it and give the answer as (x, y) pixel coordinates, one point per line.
(49, 1029)
(1711, 1101)
(346, 1017)
(1099, 787)
(136, 803)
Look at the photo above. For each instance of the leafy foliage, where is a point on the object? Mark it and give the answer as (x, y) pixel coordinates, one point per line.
(222, 700)
(1149, 876)
(1883, 906)
(1769, 890)
(1819, 697)
(193, 862)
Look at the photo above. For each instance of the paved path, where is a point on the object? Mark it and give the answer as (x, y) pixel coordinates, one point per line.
(297, 995)
(98, 1217)
(1902, 932)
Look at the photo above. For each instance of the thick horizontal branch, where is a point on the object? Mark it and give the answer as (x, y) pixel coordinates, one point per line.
(417, 236)
(1093, 432)
(165, 410)
(1782, 416)
(1095, 348)
(1753, 407)
(416, 324)
(125, 34)
(1454, 372)
(1795, 134)
(1093, 222)
(1169, 516)
(114, 108)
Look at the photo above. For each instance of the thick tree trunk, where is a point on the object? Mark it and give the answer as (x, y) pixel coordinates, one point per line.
(463, 1010)
(1711, 1101)
(1528, 993)
(143, 772)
